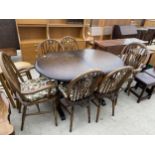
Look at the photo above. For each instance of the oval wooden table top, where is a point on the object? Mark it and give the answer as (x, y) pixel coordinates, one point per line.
(66, 66)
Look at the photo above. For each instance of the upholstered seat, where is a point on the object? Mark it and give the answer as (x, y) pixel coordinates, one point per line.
(31, 92)
(35, 84)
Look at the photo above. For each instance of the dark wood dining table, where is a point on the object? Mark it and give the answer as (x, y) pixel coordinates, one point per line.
(65, 66)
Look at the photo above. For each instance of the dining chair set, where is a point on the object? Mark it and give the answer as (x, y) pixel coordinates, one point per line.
(50, 45)
(86, 89)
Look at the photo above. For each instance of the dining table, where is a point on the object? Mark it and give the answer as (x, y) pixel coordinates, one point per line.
(65, 66)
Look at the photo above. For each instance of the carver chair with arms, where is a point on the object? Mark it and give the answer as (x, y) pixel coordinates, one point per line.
(30, 92)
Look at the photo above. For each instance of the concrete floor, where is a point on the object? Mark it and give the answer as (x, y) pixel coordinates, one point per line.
(130, 119)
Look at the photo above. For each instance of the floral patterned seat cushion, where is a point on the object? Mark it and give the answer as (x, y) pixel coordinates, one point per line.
(34, 85)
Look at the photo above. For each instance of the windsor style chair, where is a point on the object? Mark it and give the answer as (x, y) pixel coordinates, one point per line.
(80, 92)
(30, 92)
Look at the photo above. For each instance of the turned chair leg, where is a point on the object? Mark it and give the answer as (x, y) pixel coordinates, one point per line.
(55, 114)
(71, 118)
(89, 116)
(127, 89)
(114, 102)
(19, 105)
(37, 105)
(98, 113)
(23, 117)
(129, 86)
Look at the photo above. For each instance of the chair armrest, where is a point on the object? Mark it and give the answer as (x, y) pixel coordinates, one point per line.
(63, 90)
(141, 67)
(49, 86)
(26, 69)
(137, 70)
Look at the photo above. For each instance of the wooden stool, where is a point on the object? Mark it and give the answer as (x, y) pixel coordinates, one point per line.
(150, 71)
(146, 82)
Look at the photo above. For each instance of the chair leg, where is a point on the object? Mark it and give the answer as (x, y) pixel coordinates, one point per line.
(89, 116)
(129, 86)
(37, 105)
(127, 89)
(55, 114)
(98, 113)
(23, 117)
(9, 113)
(19, 105)
(113, 106)
(71, 118)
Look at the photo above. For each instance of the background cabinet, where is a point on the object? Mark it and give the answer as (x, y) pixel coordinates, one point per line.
(31, 32)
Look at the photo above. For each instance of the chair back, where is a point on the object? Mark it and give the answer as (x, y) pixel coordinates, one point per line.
(149, 36)
(10, 71)
(48, 46)
(135, 55)
(69, 43)
(113, 81)
(84, 85)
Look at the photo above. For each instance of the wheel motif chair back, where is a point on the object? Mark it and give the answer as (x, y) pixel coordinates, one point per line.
(135, 55)
(113, 81)
(69, 43)
(48, 46)
(84, 85)
(10, 71)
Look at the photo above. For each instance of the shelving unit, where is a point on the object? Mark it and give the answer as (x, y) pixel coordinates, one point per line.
(32, 32)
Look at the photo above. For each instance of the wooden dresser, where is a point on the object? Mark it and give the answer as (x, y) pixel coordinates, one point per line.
(31, 32)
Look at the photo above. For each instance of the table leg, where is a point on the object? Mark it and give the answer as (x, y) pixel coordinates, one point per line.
(59, 108)
(61, 113)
